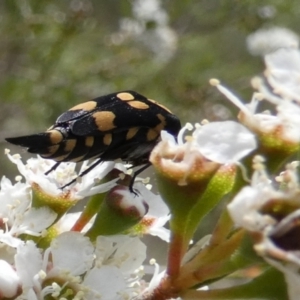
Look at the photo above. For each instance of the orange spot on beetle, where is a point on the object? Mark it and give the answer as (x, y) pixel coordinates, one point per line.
(51, 151)
(88, 106)
(55, 136)
(104, 120)
(158, 128)
(125, 96)
(70, 145)
(138, 104)
(160, 105)
(151, 134)
(89, 141)
(107, 139)
(132, 132)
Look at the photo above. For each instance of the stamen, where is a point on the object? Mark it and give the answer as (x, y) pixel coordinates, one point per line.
(244, 172)
(187, 126)
(155, 273)
(18, 178)
(234, 99)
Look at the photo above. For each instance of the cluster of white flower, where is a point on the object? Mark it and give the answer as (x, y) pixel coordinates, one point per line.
(49, 252)
(109, 270)
(72, 266)
(270, 207)
(271, 211)
(149, 26)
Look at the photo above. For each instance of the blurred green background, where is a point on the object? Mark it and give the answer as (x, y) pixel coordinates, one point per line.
(55, 54)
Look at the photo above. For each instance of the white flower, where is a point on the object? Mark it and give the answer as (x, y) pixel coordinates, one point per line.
(9, 280)
(224, 142)
(267, 40)
(73, 265)
(35, 169)
(157, 216)
(159, 38)
(114, 275)
(71, 255)
(251, 208)
(17, 214)
(28, 262)
(126, 253)
(162, 41)
(283, 126)
(149, 10)
(220, 142)
(283, 73)
(202, 153)
(245, 207)
(273, 214)
(75, 262)
(106, 282)
(181, 160)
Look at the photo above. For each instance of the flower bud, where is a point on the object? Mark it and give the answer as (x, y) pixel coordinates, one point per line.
(120, 210)
(9, 280)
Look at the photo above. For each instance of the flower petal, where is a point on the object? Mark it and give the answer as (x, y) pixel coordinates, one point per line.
(73, 252)
(224, 142)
